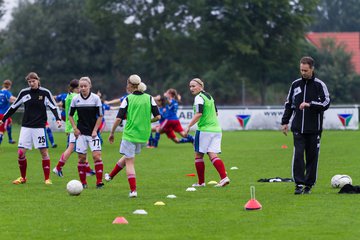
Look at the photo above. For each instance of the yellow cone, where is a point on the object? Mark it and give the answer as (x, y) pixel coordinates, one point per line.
(159, 203)
(212, 182)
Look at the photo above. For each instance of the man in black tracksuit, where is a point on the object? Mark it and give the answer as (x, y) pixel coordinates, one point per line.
(307, 100)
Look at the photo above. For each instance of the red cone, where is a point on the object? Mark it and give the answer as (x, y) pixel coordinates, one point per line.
(252, 204)
(120, 220)
(191, 175)
(284, 147)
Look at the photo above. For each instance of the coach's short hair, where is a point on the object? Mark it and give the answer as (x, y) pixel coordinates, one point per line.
(307, 60)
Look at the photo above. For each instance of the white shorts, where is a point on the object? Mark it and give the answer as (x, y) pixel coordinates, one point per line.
(84, 141)
(30, 136)
(71, 138)
(207, 142)
(129, 149)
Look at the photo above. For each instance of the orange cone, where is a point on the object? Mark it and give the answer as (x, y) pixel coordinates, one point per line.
(120, 220)
(252, 204)
(284, 146)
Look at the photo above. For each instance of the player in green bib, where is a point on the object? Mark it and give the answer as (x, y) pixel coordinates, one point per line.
(137, 108)
(73, 91)
(208, 135)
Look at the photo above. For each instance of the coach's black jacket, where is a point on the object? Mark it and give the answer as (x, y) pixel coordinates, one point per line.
(308, 120)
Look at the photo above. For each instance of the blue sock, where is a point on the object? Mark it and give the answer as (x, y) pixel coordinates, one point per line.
(183, 140)
(151, 140)
(156, 139)
(190, 138)
(50, 135)
(1, 138)
(8, 129)
(157, 136)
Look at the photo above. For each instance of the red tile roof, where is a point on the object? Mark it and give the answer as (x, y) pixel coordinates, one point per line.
(350, 39)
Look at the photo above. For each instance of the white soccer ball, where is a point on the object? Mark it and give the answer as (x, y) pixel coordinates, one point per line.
(338, 181)
(74, 187)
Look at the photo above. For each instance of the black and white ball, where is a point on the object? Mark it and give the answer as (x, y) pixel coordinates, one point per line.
(338, 181)
(74, 187)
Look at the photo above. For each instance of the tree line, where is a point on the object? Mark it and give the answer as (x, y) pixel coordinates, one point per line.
(246, 51)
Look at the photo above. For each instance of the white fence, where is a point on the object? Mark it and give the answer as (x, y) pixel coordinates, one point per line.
(261, 118)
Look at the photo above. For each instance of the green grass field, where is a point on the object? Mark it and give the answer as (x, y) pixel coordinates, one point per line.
(37, 211)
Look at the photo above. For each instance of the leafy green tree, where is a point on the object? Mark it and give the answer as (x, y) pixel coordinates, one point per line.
(276, 28)
(169, 42)
(57, 40)
(336, 70)
(337, 16)
(2, 9)
(228, 43)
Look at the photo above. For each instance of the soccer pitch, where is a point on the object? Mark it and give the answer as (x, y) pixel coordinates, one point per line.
(38, 211)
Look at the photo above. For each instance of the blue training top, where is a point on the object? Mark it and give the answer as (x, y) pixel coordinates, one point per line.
(171, 110)
(5, 96)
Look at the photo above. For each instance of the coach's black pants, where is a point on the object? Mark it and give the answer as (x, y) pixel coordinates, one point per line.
(305, 169)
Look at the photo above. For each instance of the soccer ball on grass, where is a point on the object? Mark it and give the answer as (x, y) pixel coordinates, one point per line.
(74, 187)
(338, 181)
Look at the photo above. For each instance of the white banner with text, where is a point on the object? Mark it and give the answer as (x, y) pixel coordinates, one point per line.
(231, 119)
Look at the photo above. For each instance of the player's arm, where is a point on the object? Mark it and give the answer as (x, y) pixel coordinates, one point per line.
(114, 126)
(16, 104)
(53, 108)
(12, 99)
(199, 107)
(324, 100)
(99, 119)
(194, 120)
(119, 117)
(154, 110)
(115, 108)
(114, 101)
(71, 118)
(287, 112)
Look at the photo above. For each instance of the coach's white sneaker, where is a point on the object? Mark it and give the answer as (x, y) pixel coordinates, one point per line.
(107, 177)
(198, 185)
(225, 181)
(133, 194)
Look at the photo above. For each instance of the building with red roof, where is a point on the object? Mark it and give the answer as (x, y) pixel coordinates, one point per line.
(351, 40)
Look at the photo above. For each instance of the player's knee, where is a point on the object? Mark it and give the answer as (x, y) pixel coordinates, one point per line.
(82, 158)
(21, 153)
